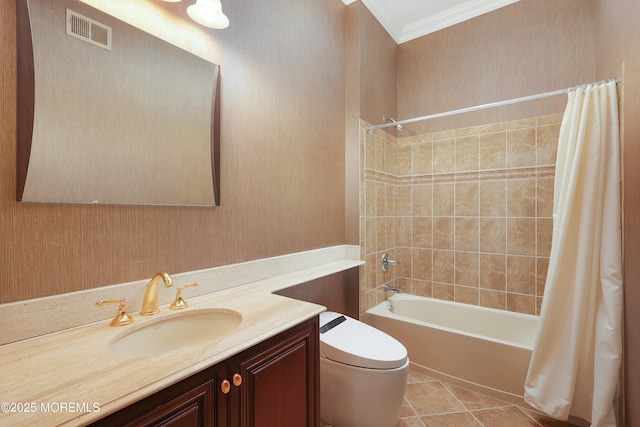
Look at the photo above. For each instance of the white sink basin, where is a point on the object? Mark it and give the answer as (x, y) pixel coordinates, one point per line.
(174, 332)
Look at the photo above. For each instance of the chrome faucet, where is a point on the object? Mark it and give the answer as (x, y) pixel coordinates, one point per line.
(392, 289)
(150, 301)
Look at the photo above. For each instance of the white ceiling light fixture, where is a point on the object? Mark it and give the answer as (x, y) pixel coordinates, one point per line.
(208, 13)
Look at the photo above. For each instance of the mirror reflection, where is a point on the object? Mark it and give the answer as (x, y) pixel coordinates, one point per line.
(110, 114)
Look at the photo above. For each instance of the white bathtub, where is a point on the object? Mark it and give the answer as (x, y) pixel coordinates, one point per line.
(479, 348)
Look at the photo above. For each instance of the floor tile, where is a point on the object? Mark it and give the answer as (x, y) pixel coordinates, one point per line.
(504, 417)
(472, 400)
(416, 377)
(429, 402)
(410, 422)
(545, 420)
(458, 419)
(431, 397)
(407, 410)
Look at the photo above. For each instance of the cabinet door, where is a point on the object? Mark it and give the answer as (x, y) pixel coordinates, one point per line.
(189, 403)
(192, 409)
(280, 381)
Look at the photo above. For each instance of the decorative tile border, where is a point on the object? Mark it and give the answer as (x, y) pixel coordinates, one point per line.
(467, 176)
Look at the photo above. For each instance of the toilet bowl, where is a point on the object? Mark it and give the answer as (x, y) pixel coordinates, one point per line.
(363, 373)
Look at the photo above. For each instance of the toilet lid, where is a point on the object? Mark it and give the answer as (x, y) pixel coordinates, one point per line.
(347, 340)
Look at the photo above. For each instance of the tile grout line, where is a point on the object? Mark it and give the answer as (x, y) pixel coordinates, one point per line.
(529, 416)
(463, 405)
(413, 409)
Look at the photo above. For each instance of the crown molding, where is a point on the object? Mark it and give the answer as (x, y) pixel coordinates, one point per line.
(402, 32)
(450, 17)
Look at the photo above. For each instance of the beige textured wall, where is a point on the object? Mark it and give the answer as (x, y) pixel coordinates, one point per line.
(526, 48)
(466, 213)
(352, 124)
(378, 71)
(282, 168)
(618, 54)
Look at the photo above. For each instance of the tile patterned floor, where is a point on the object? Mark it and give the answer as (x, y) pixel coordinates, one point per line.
(432, 403)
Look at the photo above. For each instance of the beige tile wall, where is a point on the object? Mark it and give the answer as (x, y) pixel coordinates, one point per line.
(466, 213)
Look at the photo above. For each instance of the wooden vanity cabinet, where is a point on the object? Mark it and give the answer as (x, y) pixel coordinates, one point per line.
(189, 403)
(274, 383)
(280, 381)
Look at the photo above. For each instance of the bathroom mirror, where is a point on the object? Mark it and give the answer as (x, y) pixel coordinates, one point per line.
(109, 114)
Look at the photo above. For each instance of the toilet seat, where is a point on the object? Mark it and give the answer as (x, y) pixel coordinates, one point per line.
(349, 341)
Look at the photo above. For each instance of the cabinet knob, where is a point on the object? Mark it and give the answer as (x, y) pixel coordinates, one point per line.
(225, 386)
(237, 379)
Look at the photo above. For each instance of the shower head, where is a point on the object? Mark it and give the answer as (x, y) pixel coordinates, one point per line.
(390, 120)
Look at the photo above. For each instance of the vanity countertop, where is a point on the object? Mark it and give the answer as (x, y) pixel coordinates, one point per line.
(71, 377)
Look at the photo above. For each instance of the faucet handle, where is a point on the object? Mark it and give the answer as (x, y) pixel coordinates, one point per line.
(387, 261)
(122, 317)
(179, 302)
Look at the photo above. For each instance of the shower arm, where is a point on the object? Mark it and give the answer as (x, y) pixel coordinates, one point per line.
(391, 120)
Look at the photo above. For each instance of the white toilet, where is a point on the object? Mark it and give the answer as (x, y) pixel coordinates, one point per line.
(363, 373)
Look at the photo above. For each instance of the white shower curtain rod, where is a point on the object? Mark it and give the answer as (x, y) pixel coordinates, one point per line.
(484, 106)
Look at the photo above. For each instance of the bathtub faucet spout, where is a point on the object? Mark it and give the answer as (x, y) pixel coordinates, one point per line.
(392, 289)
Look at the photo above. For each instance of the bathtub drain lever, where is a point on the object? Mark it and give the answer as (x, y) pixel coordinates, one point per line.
(386, 262)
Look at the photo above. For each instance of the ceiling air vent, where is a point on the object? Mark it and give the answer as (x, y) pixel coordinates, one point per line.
(87, 29)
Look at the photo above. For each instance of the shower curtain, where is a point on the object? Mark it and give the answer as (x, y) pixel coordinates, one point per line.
(575, 364)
